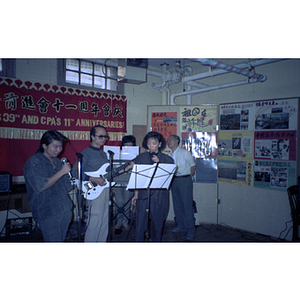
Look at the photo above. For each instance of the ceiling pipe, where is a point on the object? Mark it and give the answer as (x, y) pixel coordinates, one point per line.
(208, 89)
(169, 77)
(154, 73)
(188, 80)
(253, 63)
(245, 68)
(229, 68)
(189, 96)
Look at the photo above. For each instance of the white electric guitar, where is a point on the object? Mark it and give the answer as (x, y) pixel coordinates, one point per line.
(92, 190)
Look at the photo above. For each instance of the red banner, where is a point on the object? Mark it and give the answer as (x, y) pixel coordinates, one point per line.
(28, 109)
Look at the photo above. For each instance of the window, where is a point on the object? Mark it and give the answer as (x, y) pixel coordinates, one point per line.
(7, 67)
(95, 74)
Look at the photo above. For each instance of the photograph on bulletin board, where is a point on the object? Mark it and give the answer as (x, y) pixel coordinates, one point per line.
(235, 172)
(274, 174)
(200, 144)
(198, 118)
(237, 116)
(203, 147)
(235, 145)
(206, 170)
(275, 145)
(276, 114)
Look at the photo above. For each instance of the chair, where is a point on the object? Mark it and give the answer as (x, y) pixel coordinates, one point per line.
(293, 193)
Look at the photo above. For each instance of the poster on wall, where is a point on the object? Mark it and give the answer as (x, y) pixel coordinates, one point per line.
(164, 123)
(276, 114)
(206, 170)
(200, 144)
(203, 147)
(237, 116)
(198, 118)
(274, 174)
(235, 145)
(275, 145)
(28, 109)
(235, 172)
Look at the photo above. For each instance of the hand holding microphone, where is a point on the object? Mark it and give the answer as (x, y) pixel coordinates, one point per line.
(68, 169)
(154, 157)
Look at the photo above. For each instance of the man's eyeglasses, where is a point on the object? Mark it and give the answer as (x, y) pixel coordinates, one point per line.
(102, 136)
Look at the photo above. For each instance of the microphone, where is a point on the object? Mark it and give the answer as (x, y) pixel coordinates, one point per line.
(64, 161)
(152, 154)
(111, 153)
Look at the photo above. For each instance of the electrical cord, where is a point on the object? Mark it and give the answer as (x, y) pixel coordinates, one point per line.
(285, 230)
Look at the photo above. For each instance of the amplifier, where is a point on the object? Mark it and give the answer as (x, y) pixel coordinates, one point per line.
(5, 181)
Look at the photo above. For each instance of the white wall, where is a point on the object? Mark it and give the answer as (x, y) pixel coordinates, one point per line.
(138, 98)
(253, 209)
(257, 210)
(40, 70)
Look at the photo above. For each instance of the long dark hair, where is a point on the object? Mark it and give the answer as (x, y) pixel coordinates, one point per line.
(157, 136)
(48, 137)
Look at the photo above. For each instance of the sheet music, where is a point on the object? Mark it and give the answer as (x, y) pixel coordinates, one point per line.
(114, 149)
(163, 176)
(129, 152)
(142, 174)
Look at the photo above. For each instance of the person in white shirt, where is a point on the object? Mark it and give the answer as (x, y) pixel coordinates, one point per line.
(182, 188)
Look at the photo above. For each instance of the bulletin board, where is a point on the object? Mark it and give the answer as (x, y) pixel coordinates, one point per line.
(257, 143)
(250, 144)
(196, 125)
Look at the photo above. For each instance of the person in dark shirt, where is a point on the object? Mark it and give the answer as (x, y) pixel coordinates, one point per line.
(98, 209)
(159, 198)
(47, 185)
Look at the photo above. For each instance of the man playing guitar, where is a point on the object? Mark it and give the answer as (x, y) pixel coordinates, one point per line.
(93, 158)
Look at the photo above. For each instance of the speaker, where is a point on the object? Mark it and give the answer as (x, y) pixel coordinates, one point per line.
(5, 181)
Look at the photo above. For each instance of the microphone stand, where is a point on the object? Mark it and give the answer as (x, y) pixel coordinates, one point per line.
(79, 195)
(147, 234)
(111, 155)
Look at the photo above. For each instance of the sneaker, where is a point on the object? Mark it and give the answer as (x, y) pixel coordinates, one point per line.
(178, 229)
(189, 238)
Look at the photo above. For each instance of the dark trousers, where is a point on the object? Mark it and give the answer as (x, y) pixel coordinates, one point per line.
(159, 207)
(182, 195)
(55, 229)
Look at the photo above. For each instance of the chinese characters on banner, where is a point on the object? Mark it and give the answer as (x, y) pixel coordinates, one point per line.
(269, 130)
(28, 109)
(198, 118)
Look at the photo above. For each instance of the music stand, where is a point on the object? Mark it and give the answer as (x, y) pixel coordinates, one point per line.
(79, 195)
(110, 216)
(121, 180)
(157, 176)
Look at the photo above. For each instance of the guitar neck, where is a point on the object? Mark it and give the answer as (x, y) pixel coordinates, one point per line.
(116, 170)
(122, 167)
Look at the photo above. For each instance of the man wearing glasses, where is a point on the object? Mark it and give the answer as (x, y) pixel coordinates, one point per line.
(93, 159)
